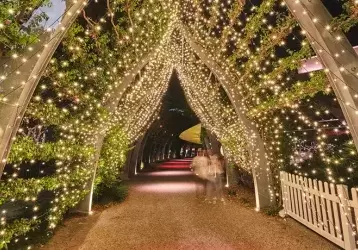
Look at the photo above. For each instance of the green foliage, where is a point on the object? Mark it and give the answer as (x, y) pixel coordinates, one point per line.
(15, 229)
(232, 190)
(272, 210)
(24, 149)
(268, 45)
(284, 65)
(72, 99)
(203, 135)
(89, 64)
(25, 189)
(317, 83)
(113, 157)
(15, 13)
(349, 18)
(253, 27)
(236, 148)
(117, 192)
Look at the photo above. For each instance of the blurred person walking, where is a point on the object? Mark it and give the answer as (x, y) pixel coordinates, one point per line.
(199, 166)
(215, 177)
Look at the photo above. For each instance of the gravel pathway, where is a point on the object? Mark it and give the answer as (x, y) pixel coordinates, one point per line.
(162, 212)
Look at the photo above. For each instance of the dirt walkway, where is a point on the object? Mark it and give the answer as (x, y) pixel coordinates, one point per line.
(161, 212)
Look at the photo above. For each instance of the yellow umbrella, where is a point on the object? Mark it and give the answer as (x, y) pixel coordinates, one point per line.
(192, 134)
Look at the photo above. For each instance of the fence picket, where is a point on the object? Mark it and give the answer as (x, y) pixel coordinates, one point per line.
(292, 200)
(283, 190)
(295, 195)
(346, 218)
(307, 199)
(287, 188)
(329, 210)
(312, 204)
(304, 203)
(318, 204)
(355, 203)
(337, 224)
(323, 206)
(299, 194)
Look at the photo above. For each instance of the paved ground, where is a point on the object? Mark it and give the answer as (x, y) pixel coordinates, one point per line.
(161, 212)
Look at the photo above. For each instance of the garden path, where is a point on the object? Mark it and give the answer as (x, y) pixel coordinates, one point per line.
(161, 212)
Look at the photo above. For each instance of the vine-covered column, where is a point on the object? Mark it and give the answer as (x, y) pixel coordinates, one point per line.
(142, 147)
(168, 152)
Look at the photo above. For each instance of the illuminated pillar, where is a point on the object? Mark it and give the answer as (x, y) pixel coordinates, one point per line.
(190, 149)
(155, 152)
(141, 150)
(231, 176)
(152, 153)
(162, 152)
(132, 171)
(167, 149)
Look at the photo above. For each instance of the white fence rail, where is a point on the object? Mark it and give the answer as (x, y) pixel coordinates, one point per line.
(328, 209)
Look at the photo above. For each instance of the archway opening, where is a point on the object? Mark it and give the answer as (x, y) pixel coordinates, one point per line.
(174, 117)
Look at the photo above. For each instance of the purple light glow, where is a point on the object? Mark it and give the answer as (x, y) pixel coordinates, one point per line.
(173, 177)
(166, 187)
(313, 64)
(168, 173)
(177, 164)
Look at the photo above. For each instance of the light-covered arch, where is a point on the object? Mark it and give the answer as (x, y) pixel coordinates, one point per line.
(261, 174)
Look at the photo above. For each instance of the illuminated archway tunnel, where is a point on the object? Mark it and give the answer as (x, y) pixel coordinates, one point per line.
(273, 82)
(175, 116)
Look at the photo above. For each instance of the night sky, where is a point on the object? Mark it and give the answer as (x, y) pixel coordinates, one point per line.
(176, 114)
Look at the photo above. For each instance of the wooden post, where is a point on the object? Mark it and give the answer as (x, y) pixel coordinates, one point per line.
(346, 218)
(283, 193)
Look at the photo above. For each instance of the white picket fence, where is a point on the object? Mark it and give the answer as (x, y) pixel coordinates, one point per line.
(327, 209)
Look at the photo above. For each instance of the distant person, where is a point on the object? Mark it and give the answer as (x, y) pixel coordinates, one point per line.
(199, 166)
(195, 162)
(210, 178)
(220, 170)
(215, 177)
